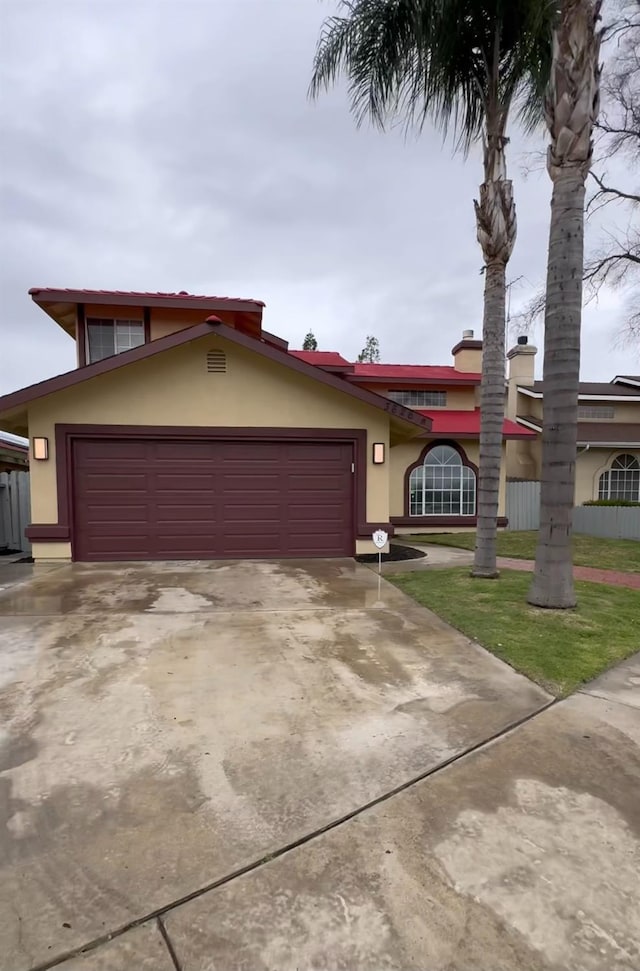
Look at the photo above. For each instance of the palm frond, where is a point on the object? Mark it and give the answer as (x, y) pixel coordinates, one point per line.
(453, 61)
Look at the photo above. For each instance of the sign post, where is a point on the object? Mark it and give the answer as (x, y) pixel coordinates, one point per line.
(380, 539)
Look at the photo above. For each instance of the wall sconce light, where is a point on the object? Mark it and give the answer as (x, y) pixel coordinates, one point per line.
(378, 453)
(40, 448)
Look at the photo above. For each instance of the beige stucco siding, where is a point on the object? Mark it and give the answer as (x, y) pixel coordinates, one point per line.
(174, 388)
(51, 551)
(625, 411)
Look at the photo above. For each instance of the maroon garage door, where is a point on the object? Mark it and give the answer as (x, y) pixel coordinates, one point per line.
(162, 499)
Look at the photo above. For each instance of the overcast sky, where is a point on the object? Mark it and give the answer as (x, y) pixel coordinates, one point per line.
(171, 146)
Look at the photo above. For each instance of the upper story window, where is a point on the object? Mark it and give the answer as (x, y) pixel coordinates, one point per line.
(419, 399)
(106, 337)
(595, 413)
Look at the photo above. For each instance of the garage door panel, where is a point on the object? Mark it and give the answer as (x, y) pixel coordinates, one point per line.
(197, 513)
(110, 514)
(176, 481)
(95, 481)
(166, 499)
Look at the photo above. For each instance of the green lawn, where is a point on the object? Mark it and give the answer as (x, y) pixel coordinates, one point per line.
(607, 554)
(558, 649)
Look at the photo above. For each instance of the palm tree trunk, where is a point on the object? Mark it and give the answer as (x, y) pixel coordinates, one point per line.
(571, 109)
(553, 579)
(496, 225)
(491, 419)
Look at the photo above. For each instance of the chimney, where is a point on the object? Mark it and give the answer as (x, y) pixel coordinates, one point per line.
(522, 359)
(467, 354)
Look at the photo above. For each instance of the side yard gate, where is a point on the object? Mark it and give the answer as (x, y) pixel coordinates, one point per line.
(14, 510)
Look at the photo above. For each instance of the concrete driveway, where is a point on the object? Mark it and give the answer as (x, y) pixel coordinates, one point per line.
(165, 726)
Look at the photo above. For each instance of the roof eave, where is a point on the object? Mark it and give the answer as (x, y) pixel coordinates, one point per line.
(42, 296)
(414, 382)
(15, 402)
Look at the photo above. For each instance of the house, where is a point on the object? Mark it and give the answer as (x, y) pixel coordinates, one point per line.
(608, 458)
(188, 431)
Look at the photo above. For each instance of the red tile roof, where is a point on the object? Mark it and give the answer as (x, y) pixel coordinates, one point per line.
(429, 372)
(55, 293)
(459, 424)
(329, 358)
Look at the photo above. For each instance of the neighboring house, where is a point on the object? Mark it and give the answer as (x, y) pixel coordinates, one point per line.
(188, 431)
(14, 453)
(608, 459)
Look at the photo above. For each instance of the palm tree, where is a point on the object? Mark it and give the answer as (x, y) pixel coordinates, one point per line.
(571, 110)
(462, 63)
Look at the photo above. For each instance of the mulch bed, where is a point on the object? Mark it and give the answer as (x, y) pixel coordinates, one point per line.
(397, 552)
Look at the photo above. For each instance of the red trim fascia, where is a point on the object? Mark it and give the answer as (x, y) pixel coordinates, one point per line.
(176, 339)
(48, 533)
(62, 531)
(441, 521)
(275, 340)
(81, 335)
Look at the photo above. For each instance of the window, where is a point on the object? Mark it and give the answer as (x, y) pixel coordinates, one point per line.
(598, 414)
(442, 486)
(419, 399)
(108, 337)
(622, 480)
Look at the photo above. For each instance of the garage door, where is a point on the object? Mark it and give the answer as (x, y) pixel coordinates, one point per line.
(161, 499)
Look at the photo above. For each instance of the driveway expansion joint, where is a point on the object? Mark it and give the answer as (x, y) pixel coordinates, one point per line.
(168, 944)
(160, 912)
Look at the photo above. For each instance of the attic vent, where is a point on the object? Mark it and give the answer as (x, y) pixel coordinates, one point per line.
(216, 362)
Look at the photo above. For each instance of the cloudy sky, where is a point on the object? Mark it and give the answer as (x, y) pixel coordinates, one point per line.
(171, 146)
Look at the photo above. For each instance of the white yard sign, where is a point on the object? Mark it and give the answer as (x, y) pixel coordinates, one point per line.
(380, 538)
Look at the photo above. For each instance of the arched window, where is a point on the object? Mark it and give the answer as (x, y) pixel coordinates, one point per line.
(442, 485)
(622, 480)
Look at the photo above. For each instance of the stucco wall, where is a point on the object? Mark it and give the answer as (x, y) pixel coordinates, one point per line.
(404, 455)
(175, 389)
(624, 411)
(51, 551)
(468, 360)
